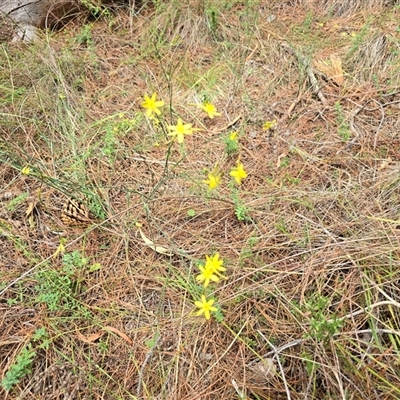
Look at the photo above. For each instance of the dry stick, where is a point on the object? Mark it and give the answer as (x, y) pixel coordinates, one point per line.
(380, 124)
(354, 114)
(310, 73)
(278, 350)
(241, 395)
(353, 128)
(378, 330)
(296, 100)
(146, 360)
(380, 107)
(276, 355)
(366, 309)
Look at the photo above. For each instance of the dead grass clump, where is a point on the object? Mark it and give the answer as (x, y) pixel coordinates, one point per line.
(342, 9)
(373, 58)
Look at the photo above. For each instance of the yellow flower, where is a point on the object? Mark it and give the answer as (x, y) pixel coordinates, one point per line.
(207, 275)
(26, 170)
(233, 136)
(238, 173)
(215, 264)
(205, 307)
(209, 109)
(180, 130)
(210, 271)
(213, 180)
(151, 105)
(60, 248)
(269, 125)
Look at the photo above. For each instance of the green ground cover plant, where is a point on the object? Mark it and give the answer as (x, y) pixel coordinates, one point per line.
(200, 200)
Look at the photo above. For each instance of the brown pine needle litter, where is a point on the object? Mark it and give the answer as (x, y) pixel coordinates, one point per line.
(200, 200)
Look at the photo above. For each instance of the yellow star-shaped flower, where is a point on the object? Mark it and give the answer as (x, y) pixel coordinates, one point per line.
(269, 125)
(179, 130)
(215, 264)
(205, 307)
(26, 170)
(207, 275)
(238, 173)
(233, 136)
(152, 105)
(213, 180)
(209, 109)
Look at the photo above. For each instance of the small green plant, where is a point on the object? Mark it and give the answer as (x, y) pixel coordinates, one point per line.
(343, 126)
(307, 23)
(41, 338)
(103, 346)
(95, 206)
(59, 289)
(14, 203)
(241, 211)
(85, 36)
(9, 95)
(231, 143)
(281, 226)
(247, 251)
(95, 9)
(284, 162)
(110, 142)
(289, 179)
(191, 213)
(323, 323)
(20, 369)
(311, 365)
(212, 19)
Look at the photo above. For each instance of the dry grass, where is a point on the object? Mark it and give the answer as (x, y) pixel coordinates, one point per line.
(310, 306)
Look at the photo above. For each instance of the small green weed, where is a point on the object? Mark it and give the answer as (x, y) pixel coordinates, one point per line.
(247, 251)
(323, 324)
(241, 211)
(281, 225)
(59, 289)
(41, 337)
(14, 203)
(191, 213)
(231, 144)
(284, 162)
(85, 36)
(20, 369)
(212, 19)
(95, 9)
(311, 365)
(343, 126)
(110, 142)
(290, 180)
